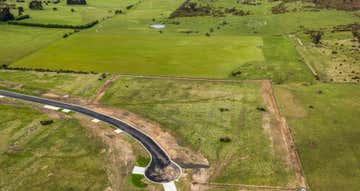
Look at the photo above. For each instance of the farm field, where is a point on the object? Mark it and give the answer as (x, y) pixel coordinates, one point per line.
(18, 42)
(202, 113)
(70, 14)
(324, 120)
(256, 46)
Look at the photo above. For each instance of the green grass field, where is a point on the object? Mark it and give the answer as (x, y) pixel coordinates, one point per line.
(199, 114)
(60, 156)
(325, 127)
(37, 83)
(17, 41)
(82, 14)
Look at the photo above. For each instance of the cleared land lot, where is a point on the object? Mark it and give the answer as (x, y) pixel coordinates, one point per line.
(60, 156)
(200, 114)
(325, 120)
(39, 83)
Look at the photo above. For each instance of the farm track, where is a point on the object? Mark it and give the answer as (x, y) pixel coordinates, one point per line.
(293, 157)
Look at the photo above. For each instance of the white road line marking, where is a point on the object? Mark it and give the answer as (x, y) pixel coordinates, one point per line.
(66, 110)
(138, 170)
(95, 120)
(2, 96)
(51, 107)
(118, 131)
(170, 186)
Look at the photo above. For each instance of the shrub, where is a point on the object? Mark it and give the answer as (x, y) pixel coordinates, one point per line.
(129, 7)
(225, 139)
(46, 122)
(76, 2)
(259, 108)
(35, 5)
(117, 12)
(315, 36)
(22, 17)
(20, 10)
(356, 34)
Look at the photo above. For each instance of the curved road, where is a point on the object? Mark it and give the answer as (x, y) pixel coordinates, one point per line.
(160, 161)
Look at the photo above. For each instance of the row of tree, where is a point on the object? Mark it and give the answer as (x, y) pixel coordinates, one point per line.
(85, 26)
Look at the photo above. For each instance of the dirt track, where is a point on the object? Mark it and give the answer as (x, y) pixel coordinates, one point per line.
(293, 157)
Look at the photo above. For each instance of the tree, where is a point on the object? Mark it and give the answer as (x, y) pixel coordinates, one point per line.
(356, 34)
(20, 10)
(36, 5)
(316, 36)
(5, 14)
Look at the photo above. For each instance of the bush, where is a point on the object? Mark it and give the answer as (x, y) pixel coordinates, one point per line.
(22, 17)
(46, 122)
(315, 36)
(117, 12)
(129, 7)
(76, 2)
(225, 139)
(35, 5)
(261, 109)
(5, 14)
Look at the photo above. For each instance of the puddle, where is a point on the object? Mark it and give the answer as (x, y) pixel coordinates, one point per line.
(157, 26)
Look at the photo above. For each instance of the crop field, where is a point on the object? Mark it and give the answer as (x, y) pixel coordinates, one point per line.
(59, 156)
(37, 83)
(200, 114)
(324, 119)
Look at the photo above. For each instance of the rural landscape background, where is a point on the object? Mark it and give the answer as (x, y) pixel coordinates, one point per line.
(241, 94)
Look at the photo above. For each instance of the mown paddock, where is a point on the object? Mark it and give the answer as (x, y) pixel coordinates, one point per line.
(18, 42)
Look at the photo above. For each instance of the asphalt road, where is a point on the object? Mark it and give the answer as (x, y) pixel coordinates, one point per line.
(160, 160)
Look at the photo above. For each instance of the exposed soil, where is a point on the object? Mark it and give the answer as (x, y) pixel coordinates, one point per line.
(103, 89)
(51, 95)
